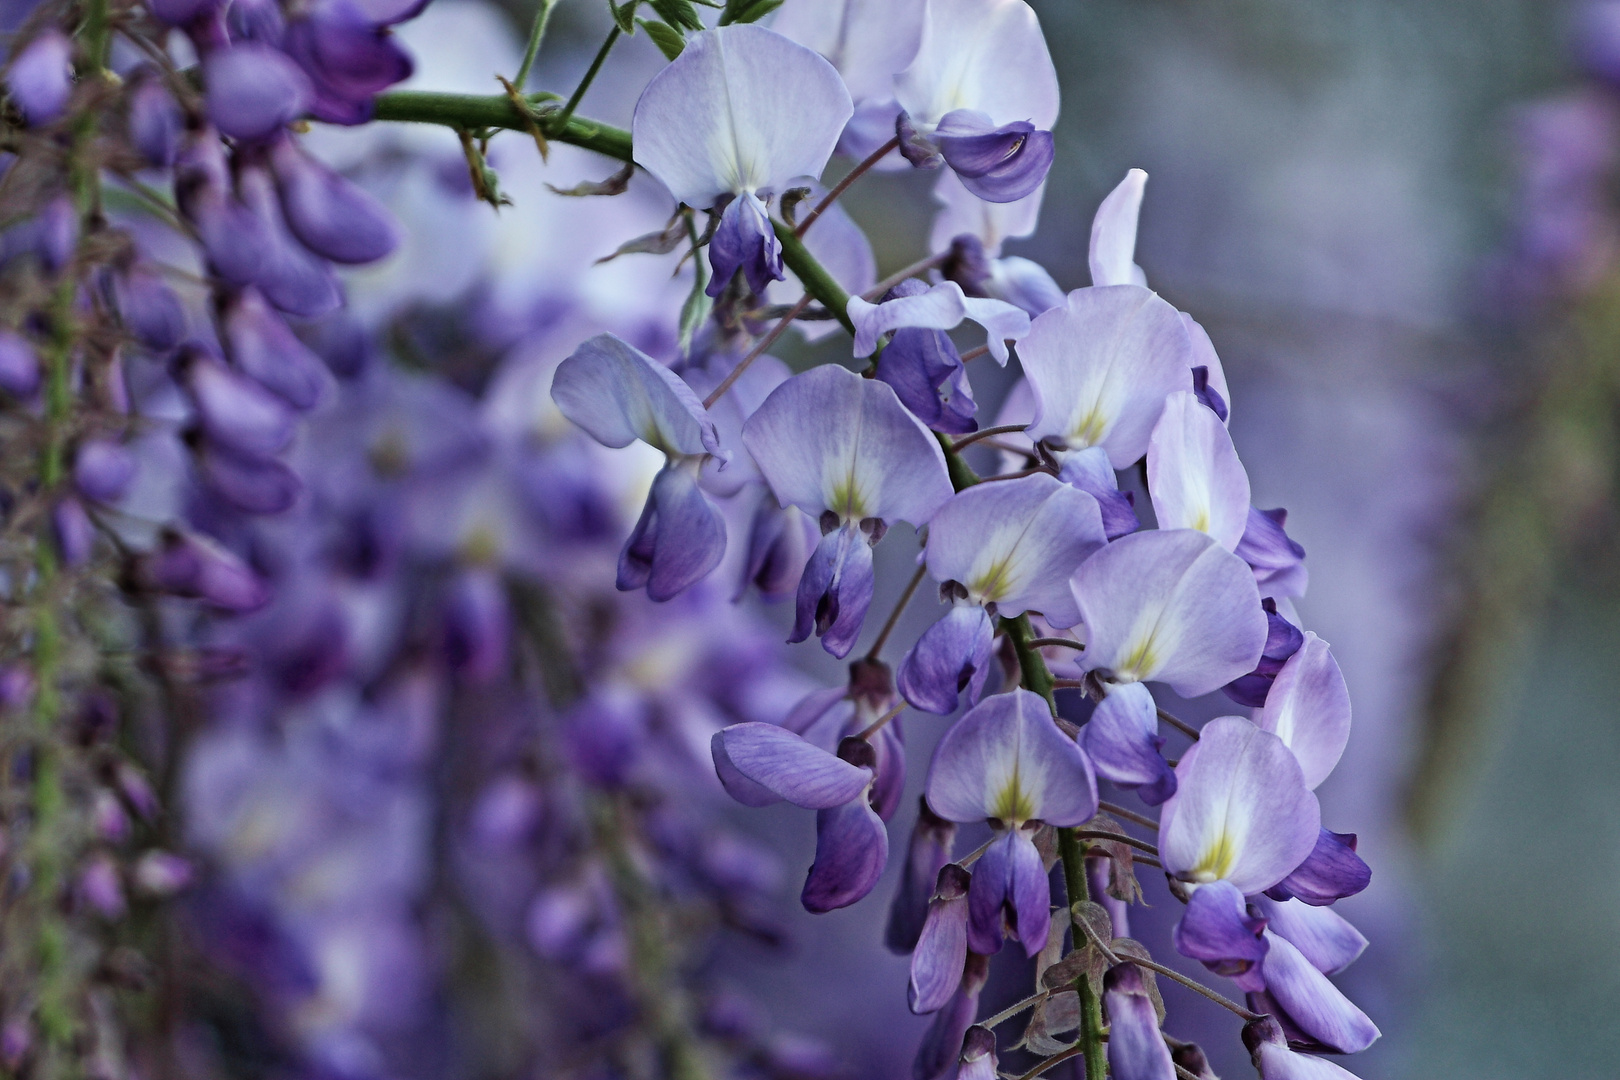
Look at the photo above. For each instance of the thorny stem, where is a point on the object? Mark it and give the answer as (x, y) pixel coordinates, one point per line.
(968, 440)
(843, 185)
(754, 354)
(590, 75)
(1057, 642)
(894, 616)
(537, 34)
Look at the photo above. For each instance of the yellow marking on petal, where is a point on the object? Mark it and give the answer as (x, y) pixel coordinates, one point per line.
(847, 502)
(1089, 430)
(994, 583)
(1216, 862)
(1139, 662)
(1012, 803)
(1201, 522)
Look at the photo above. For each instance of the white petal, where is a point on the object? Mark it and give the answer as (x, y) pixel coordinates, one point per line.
(1194, 473)
(1113, 234)
(961, 212)
(741, 109)
(868, 41)
(1101, 365)
(1309, 709)
(987, 55)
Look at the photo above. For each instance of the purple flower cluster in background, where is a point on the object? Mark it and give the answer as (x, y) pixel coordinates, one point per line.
(388, 590)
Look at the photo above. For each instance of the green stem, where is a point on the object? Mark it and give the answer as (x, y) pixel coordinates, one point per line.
(817, 281)
(590, 75)
(537, 34)
(469, 112)
(1073, 851)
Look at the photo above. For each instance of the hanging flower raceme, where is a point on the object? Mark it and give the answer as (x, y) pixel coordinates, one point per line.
(846, 452)
(741, 113)
(1002, 549)
(618, 395)
(1007, 763)
(1166, 606)
(981, 96)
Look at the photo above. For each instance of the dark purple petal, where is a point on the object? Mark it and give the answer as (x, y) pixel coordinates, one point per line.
(1207, 394)
(75, 535)
(349, 57)
(1277, 561)
(745, 241)
(603, 734)
(477, 625)
(915, 148)
(41, 77)
(1331, 872)
(941, 1046)
(194, 566)
(1217, 930)
(254, 90)
(328, 214)
(1283, 640)
(998, 164)
(155, 122)
(1090, 471)
(968, 264)
(835, 591)
(1136, 1049)
(1123, 740)
(262, 346)
(149, 308)
(19, 365)
(852, 847)
(235, 411)
(56, 232)
(926, 854)
(929, 378)
(290, 277)
(779, 544)
(941, 948)
(890, 782)
(1314, 1005)
(254, 485)
(679, 538)
(103, 470)
(1268, 1046)
(951, 656)
(776, 761)
(179, 12)
(1029, 892)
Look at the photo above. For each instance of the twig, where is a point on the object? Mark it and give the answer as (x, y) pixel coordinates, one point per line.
(1129, 815)
(764, 343)
(1019, 475)
(567, 112)
(1118, 838)
(843, 185)
(875, 292)
(537, 32)
(1067, 643)
(1013, 1010)
(1185, 729)
(894, 616)
(970, 439)
(882, 722)
(1056, 1059)
(974, 353)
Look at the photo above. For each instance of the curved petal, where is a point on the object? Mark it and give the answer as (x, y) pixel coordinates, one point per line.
(951, 656)
(1309, 709)
(328, 214)
(941, 1045)
(831, 440)
(1113, 234)
(986, 55)
(1275, 1061)
(964, 213)
(1321, 934)
(1006, 759)
(1277, 561)
(835, 591)
(867, 42)
(1172, 606)
(1136, 1048)
(619, 394)
(1314, 1004)
(742, 108)
(939, 308)
(926, 855)
(1101, 366)
(1196, 479)
(41, 77)
(1241, 811)
(852, 848)
(790, 768)
(999, 164)
(1023, 283)
(1091, 472)
(987, 895)
(263, 346)
(936, 965)
(1029, 891)
(678, 540)
(929, 378)
(1332, 871)
(254, 89)
(745, 242)
(1122, 738)
(236, 411)
(1218, 931)
(1016, 543)
(1213, 391)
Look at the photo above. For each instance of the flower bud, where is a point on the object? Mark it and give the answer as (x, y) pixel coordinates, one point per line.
(41, 77)
(103, 470)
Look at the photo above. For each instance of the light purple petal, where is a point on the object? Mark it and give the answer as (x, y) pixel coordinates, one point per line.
(940, 308)
(1194, 473)
(787, 766)
(254, 89)
(329, 215)
(1113, 234)
(986, 55)
(41, 77)
(1024, 284)
(1275, 1061)
(952, 655)
(1172, 606)
(1122, 738)
(1136, 1048)
(1016, 543)
(1006, 759)
(1101, 366)
(852, 847)
(235, 410)
(678, 540)
(831, 440)
(964, 213)
(867, 42)
(1309, 709)
(835, 591)
(619, 394)
(1218, 931)
(988, 895)
(741, 109)
(941, 1045)
(1321, 934)
(1313, 1003)
(1241, 812)
(263, 346)
(1029, 891)
(936, 965)
(1091, 472)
